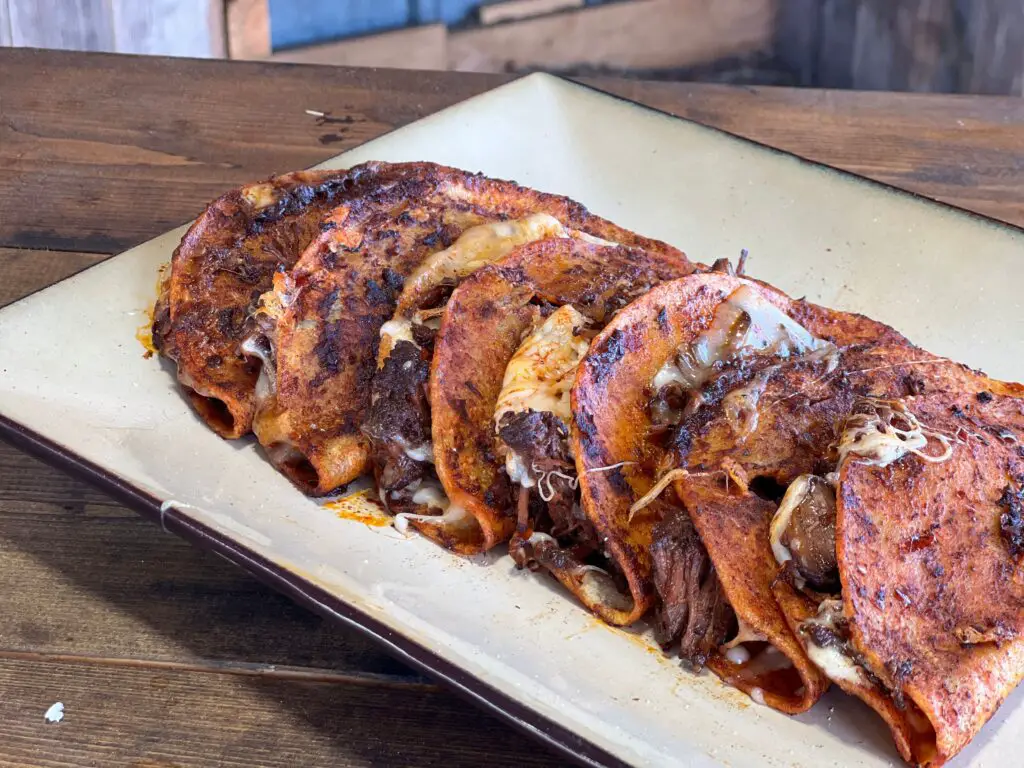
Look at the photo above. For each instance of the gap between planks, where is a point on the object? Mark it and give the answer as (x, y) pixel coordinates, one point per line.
(242, 669)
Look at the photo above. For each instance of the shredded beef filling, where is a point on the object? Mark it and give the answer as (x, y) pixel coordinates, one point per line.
(540, 440)
(399, 417)
(693, 608)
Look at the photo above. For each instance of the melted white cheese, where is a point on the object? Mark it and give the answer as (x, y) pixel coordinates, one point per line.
(481, 245)
(836, 665)
(540, 374)
(433, 496)
(423, 452)
(745, 323)
(397, 329)
(795, 494)
(259, 195)
(454, 519)
(475, 248)
(737, 655)
(266, 383)
(744, 634)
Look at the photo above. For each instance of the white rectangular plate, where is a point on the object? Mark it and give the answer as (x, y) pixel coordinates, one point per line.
(76, 389)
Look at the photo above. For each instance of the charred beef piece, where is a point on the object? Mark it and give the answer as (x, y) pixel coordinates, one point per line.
(828, 637)
(540, 440)
(399, 418)
(811, 536)
(693, 608)
(423, 335)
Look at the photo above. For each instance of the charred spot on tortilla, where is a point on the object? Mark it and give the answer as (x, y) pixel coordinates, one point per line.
(224, 262)
(523, 324)
(409, 233)
(1011, 521)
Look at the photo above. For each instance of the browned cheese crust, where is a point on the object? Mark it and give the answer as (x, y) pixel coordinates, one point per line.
(224, 262)
(482, 327)
(932, 568)
(325, 336)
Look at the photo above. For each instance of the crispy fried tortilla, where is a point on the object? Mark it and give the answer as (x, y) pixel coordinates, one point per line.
(484, 325)
(861, 509)
(321, 323)
(398, 425)
(931, 560)
(224, 262)
(700, 354)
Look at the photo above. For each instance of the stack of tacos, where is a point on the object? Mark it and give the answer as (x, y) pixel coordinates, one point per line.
(792, 495)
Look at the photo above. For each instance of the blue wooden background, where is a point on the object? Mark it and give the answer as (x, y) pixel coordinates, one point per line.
(304, 22)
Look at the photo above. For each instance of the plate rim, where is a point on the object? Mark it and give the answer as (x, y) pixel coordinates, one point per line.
(470, 687)
(538, 726)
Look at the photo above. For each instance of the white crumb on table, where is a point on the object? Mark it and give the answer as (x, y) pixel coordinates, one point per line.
(55, 713)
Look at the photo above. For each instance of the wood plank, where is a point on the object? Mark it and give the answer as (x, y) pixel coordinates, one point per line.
(81, 25)
(115, 171)
(26, 271)
(643, 34)
(414, 48)
(82, 576)
(248, 29)
(116, 716)
(514, 10)
(121, 153)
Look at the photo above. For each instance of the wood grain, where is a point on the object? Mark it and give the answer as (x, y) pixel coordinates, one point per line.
(423, 47)
(122, 152)
(167, 656)
(644, 34)
(117, 716)
(993, 46)
(82, 576)
(513, 10)
(25, 271)
(5, 23)
(116, 170)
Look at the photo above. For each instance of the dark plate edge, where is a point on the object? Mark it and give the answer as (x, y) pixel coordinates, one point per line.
(817, 164)
(568, 743)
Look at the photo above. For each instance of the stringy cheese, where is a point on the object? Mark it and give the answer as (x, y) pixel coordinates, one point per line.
(871, 434)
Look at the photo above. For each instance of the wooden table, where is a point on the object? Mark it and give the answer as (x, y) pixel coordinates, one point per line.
(166, 656)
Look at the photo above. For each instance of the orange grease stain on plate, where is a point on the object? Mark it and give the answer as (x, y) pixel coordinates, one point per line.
(144, 333)
(359, 506)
